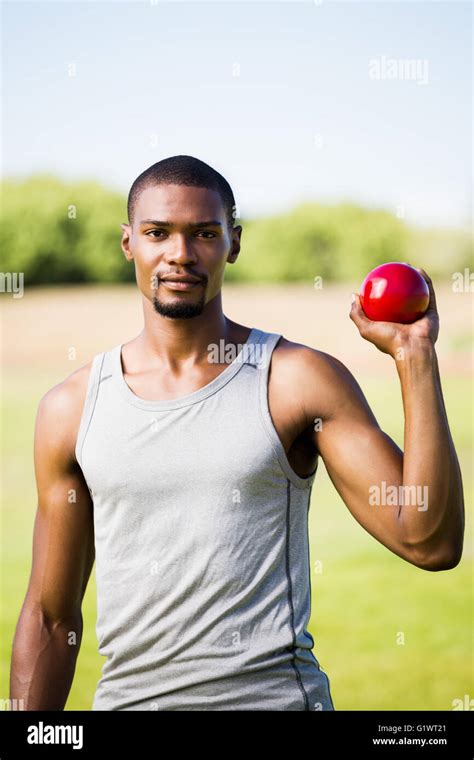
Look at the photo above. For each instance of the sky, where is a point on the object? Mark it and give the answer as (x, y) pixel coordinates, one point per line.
(369, 102)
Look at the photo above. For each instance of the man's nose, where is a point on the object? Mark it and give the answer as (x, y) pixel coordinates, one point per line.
(181, 250)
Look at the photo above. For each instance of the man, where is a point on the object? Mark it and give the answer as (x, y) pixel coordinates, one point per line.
(188, 479)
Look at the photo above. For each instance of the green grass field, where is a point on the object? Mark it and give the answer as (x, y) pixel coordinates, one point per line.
(389, 635)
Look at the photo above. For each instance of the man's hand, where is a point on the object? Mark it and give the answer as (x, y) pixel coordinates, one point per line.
(389, 337)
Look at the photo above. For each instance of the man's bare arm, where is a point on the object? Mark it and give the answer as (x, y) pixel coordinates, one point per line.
(412, 501)
(367, 467)
(49, 630)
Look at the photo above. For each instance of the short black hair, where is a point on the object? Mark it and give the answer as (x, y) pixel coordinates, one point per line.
(182, 170)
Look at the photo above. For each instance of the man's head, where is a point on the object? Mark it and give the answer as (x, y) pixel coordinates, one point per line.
(181, 216)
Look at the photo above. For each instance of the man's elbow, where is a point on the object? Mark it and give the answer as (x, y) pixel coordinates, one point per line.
(446, 559)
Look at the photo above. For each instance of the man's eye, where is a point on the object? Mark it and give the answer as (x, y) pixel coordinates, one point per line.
(153, 233)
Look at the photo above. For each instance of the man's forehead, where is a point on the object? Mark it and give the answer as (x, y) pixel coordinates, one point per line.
(172, 196)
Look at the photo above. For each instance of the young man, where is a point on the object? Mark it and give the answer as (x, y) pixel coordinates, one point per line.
(191, 471)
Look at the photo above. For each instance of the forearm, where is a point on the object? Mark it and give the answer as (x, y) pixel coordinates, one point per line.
(43, 660)
(433, 521)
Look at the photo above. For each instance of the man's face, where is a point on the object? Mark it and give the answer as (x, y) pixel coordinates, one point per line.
(180, 231)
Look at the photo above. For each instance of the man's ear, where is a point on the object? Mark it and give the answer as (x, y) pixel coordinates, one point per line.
(235, 249)
(125, 242)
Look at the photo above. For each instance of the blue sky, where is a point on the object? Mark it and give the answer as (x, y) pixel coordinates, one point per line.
(277, 96)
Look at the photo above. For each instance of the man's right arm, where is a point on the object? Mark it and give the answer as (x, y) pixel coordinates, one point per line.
(49, 629)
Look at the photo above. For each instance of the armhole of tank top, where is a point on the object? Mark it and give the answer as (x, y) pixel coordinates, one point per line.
(264, 408)
(89, 404)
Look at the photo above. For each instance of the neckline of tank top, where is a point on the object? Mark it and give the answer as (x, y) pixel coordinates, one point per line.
(255, 336)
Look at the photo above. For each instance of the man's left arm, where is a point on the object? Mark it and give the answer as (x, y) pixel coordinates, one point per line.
(380, 484)
(429, 460)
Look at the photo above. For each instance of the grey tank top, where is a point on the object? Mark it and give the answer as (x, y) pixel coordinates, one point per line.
(201, 544)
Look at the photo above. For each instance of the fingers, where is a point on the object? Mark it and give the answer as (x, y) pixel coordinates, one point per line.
(357, 314)
(427, 278)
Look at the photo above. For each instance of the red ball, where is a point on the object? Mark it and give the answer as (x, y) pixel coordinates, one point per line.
(394, 292)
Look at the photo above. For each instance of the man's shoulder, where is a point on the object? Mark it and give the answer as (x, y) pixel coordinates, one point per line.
(66, 397)
(291, 356)
(315, 376)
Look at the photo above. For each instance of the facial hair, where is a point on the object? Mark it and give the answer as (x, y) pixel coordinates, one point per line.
(180, 309)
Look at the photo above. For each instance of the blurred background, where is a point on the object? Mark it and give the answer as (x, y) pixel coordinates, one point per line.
(344, 129)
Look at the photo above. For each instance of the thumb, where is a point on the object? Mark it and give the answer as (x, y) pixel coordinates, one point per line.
(357, 313)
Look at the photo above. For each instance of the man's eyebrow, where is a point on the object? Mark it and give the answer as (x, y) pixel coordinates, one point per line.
(211, 223)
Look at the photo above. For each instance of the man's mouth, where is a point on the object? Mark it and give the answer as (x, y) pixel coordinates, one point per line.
(180, 282)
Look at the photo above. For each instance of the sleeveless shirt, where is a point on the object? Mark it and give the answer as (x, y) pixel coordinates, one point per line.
(201, 544)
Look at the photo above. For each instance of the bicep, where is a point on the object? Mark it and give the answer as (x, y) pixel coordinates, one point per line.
(362, 461)
(63, 538)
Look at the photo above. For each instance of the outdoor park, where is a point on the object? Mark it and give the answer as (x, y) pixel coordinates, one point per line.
(345, 132)
(389, 635)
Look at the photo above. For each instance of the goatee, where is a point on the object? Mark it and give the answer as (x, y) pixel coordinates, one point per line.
(179, 309)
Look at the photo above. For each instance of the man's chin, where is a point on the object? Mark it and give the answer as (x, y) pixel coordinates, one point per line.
(178, 310)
